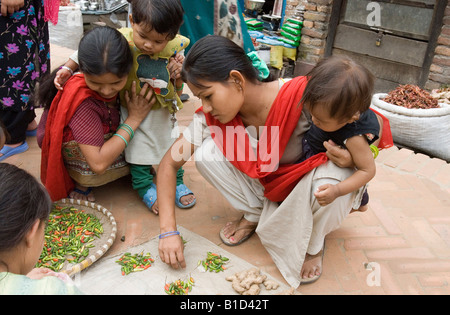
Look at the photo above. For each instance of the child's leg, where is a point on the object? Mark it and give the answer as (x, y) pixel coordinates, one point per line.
(364, 203)
(184, 197)
(142, 178)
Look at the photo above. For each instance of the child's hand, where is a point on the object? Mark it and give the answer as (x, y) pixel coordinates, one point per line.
(139, 105)
(61, 78)
(11, 6)
(175, 66)
(326, 194)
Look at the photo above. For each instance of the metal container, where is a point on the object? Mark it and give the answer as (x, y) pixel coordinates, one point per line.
(254, 4)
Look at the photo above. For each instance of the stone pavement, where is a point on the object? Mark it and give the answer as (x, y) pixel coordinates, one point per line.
(401, 245)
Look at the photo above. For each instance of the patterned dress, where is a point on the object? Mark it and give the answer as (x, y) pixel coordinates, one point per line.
(24, 58)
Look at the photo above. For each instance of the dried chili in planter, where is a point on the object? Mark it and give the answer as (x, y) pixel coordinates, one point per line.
(411, 96)
(68, 236)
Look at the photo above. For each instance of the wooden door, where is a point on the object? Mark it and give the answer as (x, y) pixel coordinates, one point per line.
(395, 39)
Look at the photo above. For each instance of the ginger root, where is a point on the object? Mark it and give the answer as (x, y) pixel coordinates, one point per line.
(247, 282)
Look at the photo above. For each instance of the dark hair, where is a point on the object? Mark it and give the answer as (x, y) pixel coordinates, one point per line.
(105, 50)
(101, 50)
(212, 58)
(164, 16)
(341, 84)
(23, 200)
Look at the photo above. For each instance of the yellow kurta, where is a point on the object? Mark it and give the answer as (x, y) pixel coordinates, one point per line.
(153, 70)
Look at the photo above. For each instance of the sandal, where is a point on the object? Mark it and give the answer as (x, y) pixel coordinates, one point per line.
(150, 196)
(316, 277)
(226, 240)
(8, 151)
(82, 192)
(182, 191)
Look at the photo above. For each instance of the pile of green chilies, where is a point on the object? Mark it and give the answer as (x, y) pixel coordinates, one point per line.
(68, 236)
(214, 262)
(179, 287)
(132, 263)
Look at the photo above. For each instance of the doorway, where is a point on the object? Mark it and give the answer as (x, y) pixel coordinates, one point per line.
(395, 39)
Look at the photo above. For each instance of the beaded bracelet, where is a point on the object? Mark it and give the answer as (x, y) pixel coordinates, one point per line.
(167, 234)
(67, 68)
(120, 136)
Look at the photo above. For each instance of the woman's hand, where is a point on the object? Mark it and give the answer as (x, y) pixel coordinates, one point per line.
(171, 251)
(139, 105)
(11, 6)
(338, 155)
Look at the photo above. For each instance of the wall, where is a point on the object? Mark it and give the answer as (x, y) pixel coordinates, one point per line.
(315, 32)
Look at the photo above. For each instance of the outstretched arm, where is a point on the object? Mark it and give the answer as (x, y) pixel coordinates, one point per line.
(171, 247)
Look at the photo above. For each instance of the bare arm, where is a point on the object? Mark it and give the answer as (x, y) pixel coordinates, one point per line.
(171, 248)
(365, 170)
(139, 105)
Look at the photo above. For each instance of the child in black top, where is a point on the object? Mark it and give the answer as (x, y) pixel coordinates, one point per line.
(338, 96)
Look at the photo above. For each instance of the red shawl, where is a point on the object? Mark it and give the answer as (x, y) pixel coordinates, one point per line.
(278, 180)
(53, 172)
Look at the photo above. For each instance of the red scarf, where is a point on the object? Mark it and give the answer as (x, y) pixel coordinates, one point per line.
(278, 180)
(53, 172)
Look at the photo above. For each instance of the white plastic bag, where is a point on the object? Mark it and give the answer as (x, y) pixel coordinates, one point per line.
(69, 29)
(427, 130)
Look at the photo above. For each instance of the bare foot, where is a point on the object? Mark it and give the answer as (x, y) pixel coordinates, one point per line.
(187, 199)
(238, 231)
(361, 209)
(82, 196)
(155, 208)
(312, 267)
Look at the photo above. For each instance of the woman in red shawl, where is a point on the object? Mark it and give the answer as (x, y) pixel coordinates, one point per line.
(247, 140)
(80, 135)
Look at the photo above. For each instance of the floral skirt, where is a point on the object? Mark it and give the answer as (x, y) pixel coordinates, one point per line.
(24, 55)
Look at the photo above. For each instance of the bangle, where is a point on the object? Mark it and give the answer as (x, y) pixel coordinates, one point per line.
(167, 234)
(180, 89)
(374, 150)
(128, 129)
(120, 136)
(68, 69)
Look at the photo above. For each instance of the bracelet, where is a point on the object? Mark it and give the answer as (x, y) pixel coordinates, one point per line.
(180, 89)
(68, 69)
(167, 234)
(128, 129)
(120, 136)
(374, 150)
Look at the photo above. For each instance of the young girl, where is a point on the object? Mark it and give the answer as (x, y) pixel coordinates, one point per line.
(258, 127)
(157, 61)
(338, 96)
(83, 142)
(24, 211)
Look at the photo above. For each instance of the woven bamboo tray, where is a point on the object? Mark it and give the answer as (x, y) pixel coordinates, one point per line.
(102, 244)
